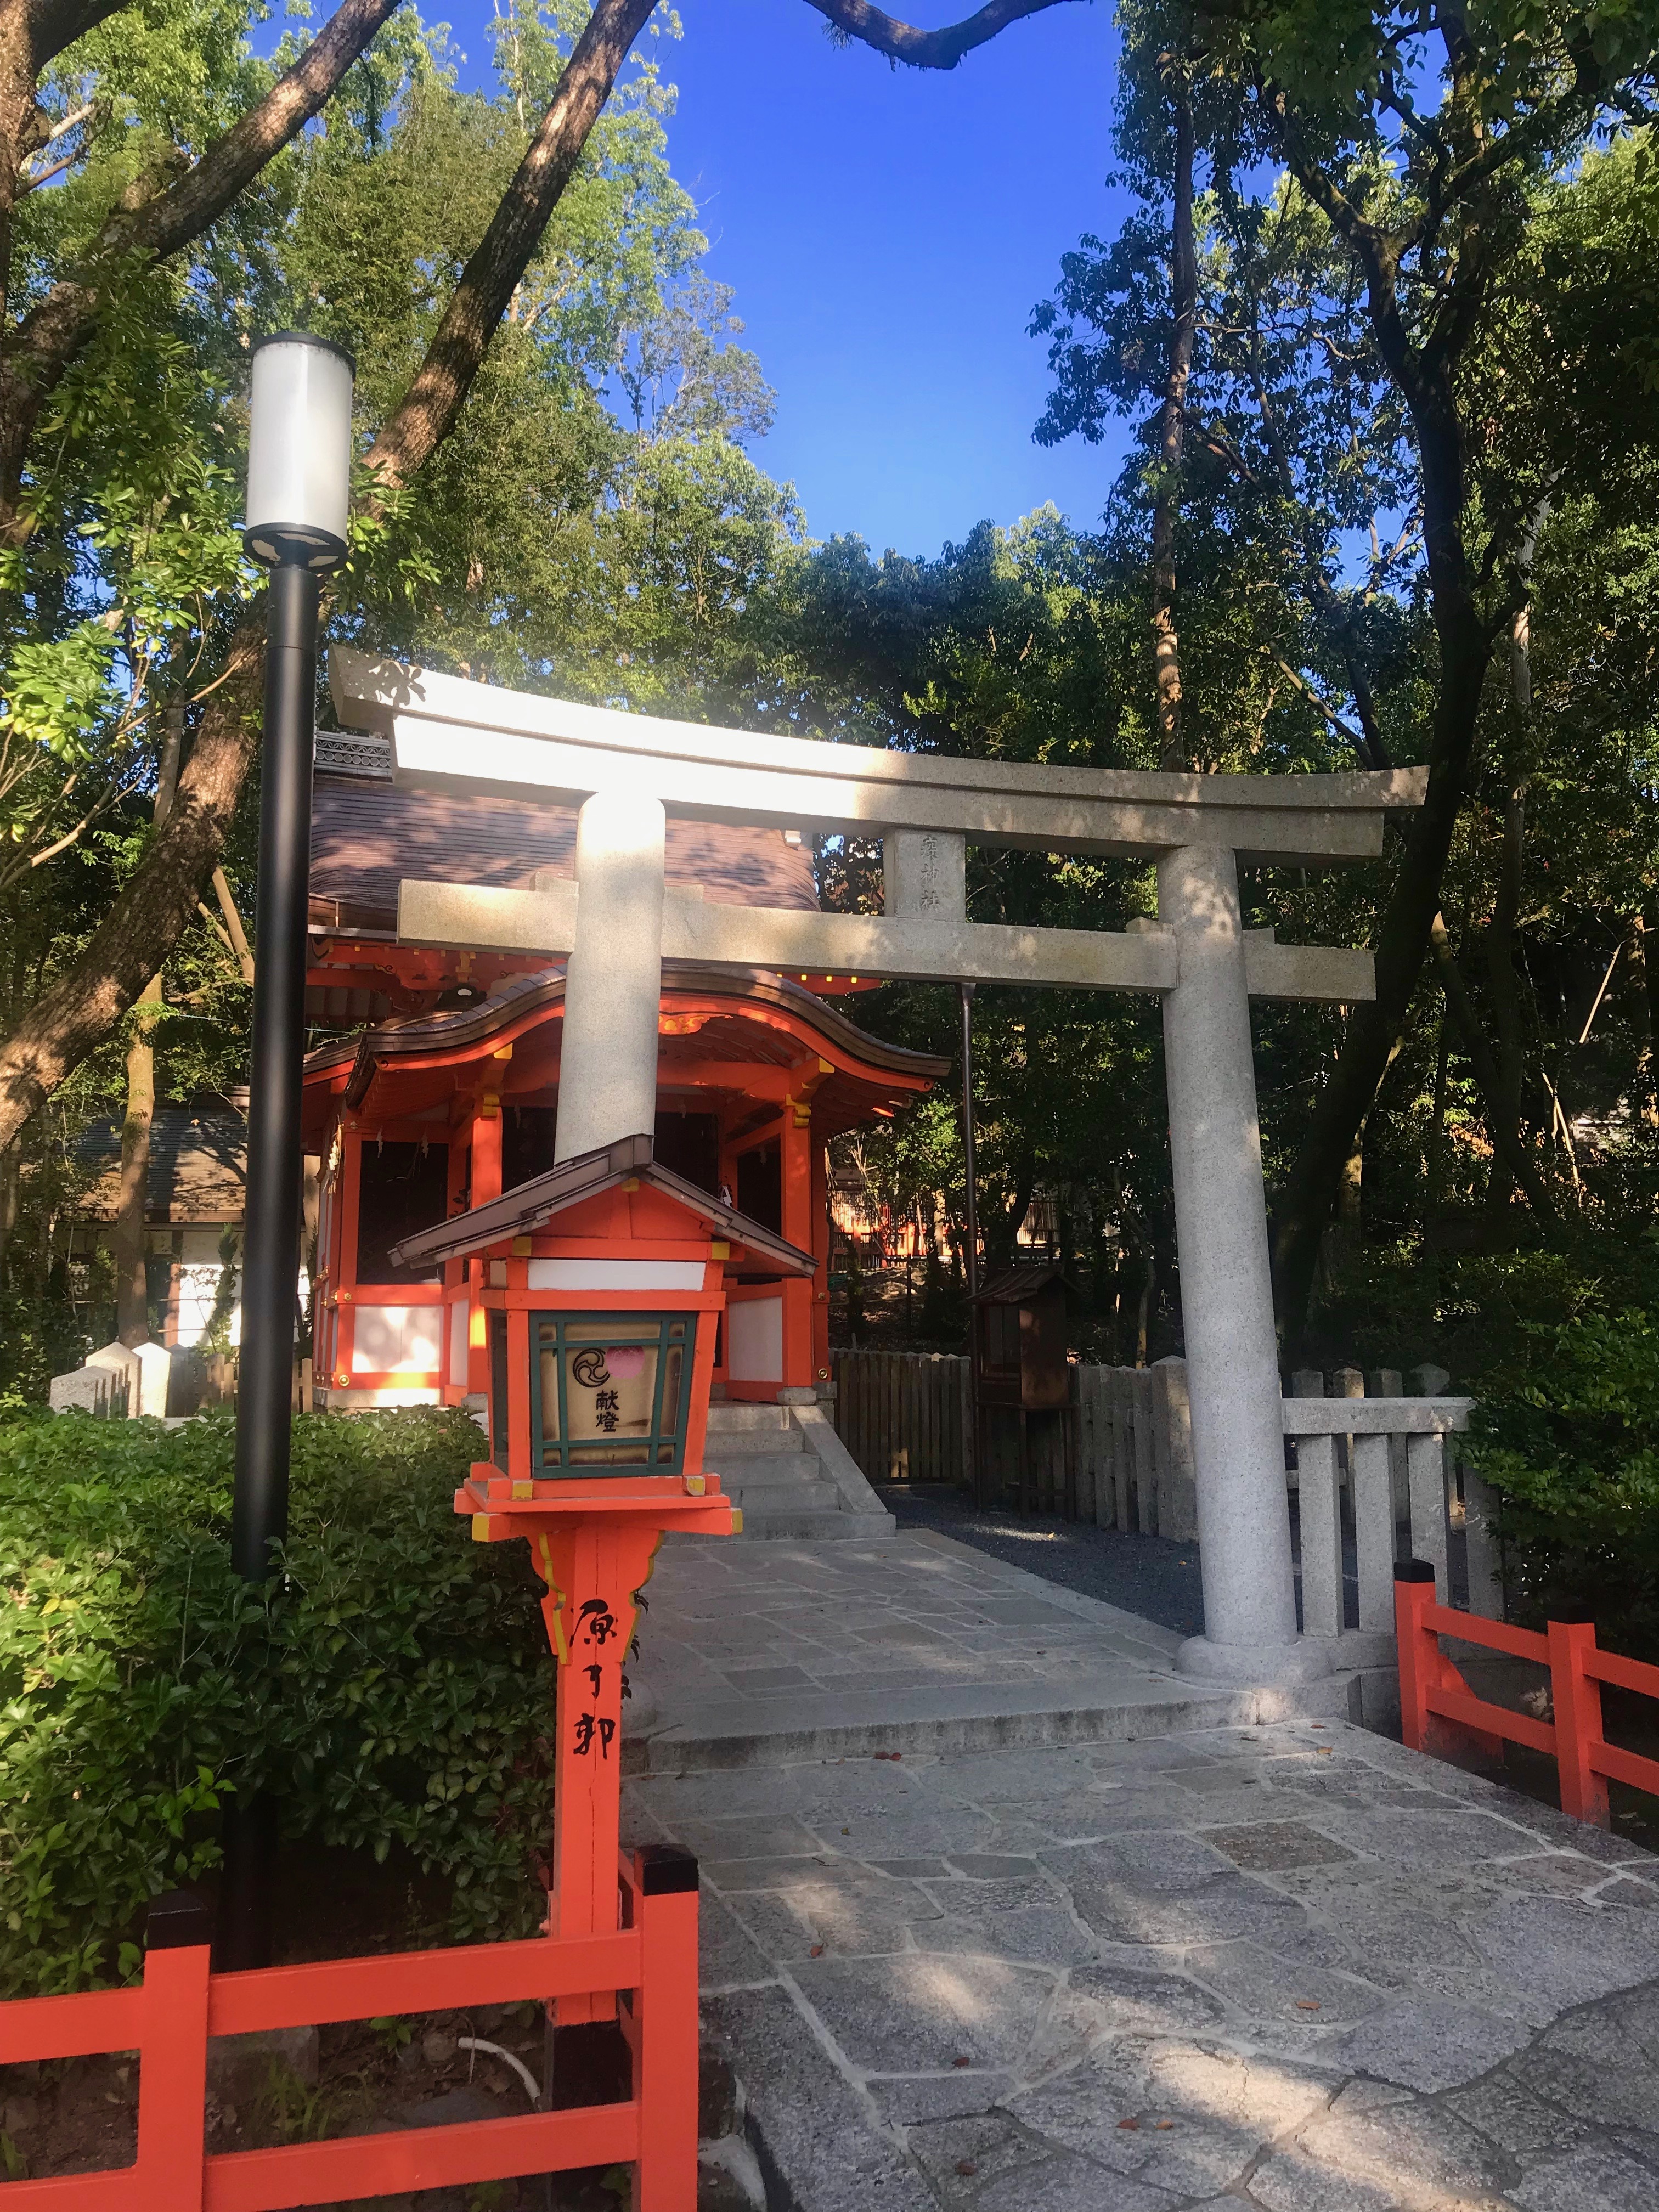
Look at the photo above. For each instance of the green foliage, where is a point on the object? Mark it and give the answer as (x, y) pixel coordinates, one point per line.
(1569, 1439)
(392, 1685)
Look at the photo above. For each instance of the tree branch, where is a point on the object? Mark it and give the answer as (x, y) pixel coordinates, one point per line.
(160, 224)
(424, 415)
(935, 49)
(55, 24)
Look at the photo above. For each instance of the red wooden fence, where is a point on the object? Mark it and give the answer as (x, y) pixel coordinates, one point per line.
(180, 2003)
(1437, 1708)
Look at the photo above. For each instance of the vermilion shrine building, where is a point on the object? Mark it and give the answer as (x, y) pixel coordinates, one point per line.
(448, 1098)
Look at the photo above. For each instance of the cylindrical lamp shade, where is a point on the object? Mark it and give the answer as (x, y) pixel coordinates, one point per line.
(299, 453)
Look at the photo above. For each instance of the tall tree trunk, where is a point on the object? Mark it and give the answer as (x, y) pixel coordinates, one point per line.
(1184, 257)
(1504, 988)
(11, 1163)
(1374, 1029)
(1645, 963)
(127, 1239)
(1144, 1306)
(1504, 982)
(1508, 1141)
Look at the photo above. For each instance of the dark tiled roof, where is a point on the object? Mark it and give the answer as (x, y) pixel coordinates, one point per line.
(366, 834)
(198, 1164)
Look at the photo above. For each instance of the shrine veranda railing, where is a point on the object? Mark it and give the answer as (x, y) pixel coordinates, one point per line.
(650, 1963)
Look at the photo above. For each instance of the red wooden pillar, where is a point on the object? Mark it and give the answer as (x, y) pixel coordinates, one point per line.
(820, 1249)
(485, 1145)
(343, 1279)
(1419, 1651)
(1577, 1696)
(664, 1884)
(173, 2065)
(796, 1149)
(593, 1567)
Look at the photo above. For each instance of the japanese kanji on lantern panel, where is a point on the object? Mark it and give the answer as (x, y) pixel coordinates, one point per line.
(605, 1283)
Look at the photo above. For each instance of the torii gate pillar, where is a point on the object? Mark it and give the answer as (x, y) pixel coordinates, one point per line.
(1226, 1288)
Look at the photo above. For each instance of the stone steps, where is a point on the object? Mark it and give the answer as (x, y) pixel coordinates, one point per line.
(753, 1443)
(787, 1493)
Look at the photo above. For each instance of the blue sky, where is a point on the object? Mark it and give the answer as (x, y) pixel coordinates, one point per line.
(888, 233)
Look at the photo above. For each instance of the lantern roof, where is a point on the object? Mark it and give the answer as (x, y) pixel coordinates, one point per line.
(531, 1206)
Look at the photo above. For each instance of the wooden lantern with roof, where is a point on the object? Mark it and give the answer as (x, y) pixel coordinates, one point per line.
(603, 1283)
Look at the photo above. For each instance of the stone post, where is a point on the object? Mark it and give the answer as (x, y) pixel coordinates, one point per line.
(613, 985)
(1226, 1289)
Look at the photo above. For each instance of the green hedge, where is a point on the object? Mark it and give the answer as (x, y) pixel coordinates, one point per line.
(1569, 1438)
(395, 1685)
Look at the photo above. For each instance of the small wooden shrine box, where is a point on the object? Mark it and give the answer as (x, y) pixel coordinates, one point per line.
(1019, 1315)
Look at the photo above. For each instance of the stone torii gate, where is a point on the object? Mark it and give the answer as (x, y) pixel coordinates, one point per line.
(617, 922)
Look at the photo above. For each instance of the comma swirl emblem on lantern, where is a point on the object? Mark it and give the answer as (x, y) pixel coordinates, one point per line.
(589, 1370)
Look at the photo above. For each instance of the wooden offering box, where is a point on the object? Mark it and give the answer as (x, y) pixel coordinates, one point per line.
(603, 1294)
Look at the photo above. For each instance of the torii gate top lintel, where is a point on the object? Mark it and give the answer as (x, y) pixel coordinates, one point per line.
(449, 732)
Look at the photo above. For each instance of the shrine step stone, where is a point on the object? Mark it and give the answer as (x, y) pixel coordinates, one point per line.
(791, 1474)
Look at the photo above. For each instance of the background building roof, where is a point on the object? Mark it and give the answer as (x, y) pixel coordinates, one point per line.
(197, 1162)
(366, 834)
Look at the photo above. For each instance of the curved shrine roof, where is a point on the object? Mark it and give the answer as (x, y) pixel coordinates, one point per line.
(747, 1017)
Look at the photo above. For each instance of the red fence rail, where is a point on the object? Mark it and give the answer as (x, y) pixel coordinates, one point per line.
(1437, 1708)
(169, 2018)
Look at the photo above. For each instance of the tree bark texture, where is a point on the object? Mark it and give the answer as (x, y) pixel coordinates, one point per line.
(1183, 259)
(128, 1239)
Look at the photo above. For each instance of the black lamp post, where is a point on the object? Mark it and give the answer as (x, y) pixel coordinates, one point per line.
(299, 482)
(973, 1235)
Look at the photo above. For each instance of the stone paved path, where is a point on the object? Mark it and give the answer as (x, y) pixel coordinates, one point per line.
(1292, 1966)
(770, 1651)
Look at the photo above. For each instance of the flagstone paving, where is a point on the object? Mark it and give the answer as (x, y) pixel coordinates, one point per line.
(777, 1650)
(1289, 1966)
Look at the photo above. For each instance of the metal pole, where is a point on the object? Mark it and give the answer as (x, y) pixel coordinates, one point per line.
(967, 990)
(271, 1255)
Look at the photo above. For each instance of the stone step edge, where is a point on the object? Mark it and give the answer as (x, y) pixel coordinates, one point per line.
(808, 1524)
(1043, 1727)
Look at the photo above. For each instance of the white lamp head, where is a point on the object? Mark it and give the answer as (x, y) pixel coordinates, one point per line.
(299, 452)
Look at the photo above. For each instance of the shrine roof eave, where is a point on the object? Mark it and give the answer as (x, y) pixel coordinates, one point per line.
(463, 1032)
(531, 1206)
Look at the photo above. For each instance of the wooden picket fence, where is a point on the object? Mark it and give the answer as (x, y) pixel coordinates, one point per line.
(1134, 1451)
(904, 1416)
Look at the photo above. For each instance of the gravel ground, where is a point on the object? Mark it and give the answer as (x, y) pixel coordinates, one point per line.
(1147, 1575)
